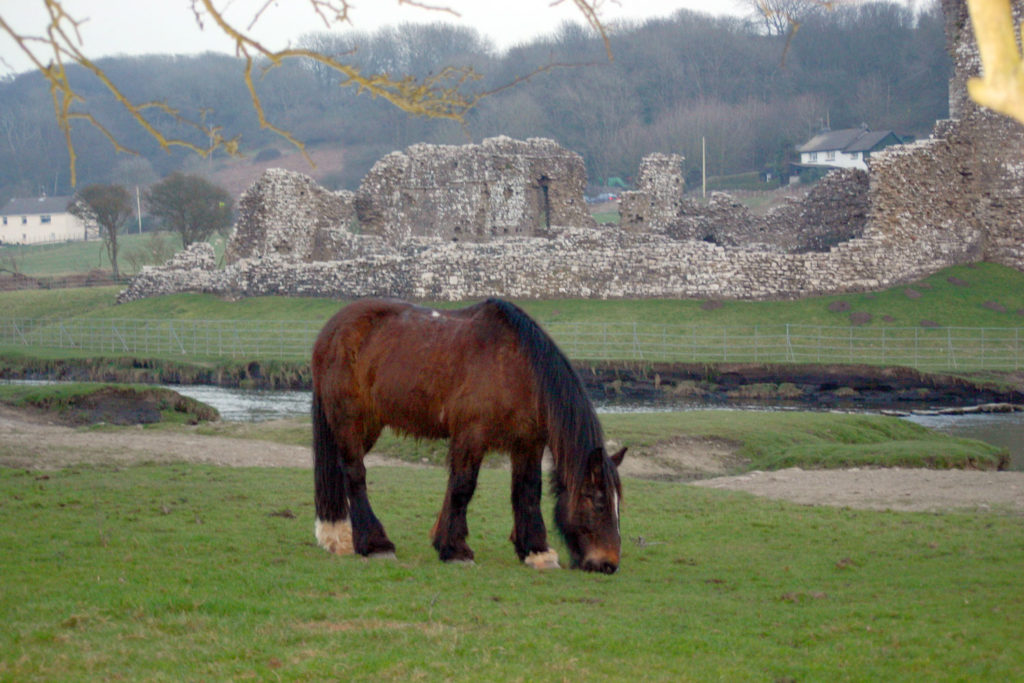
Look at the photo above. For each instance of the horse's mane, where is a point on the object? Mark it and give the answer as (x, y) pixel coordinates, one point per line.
(573, 428)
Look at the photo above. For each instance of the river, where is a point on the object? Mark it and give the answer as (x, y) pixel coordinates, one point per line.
(1000, 429)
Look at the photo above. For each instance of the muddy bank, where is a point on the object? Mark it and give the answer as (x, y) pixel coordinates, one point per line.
(803, 385)
(245, 374)
(809, 386)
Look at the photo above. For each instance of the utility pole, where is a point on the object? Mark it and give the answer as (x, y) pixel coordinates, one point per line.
(138, 208)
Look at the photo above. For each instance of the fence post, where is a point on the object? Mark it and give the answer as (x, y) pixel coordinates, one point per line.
(917, 353)
(21, 334)
(983, 348)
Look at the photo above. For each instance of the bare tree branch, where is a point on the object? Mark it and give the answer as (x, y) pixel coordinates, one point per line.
(443, 95)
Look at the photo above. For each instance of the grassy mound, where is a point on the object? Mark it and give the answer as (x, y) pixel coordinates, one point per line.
(83, 403)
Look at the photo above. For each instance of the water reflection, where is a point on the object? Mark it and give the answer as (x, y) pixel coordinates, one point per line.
(250, 405)
(999, 429)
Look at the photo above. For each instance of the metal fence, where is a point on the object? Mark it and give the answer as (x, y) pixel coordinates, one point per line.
(285, 339)
(939, 348)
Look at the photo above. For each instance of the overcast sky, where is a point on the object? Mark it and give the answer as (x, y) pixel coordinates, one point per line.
(169, 26)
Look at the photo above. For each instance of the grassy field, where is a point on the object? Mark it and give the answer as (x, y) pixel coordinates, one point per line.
(201, 573)
(982, 295)
(189, 572)
(70, 258)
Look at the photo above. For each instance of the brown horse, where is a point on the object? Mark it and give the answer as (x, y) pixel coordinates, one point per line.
(488, 379)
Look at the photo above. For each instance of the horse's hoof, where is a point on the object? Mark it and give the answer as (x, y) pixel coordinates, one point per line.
(545, 560)
(468, 563)
(383, 555)
(335, 537)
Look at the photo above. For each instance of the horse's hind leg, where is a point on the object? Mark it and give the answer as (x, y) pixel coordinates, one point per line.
(333, 529)
(451, 528)
(529, 535)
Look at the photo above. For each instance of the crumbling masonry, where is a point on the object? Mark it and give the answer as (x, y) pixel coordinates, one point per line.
(507, 218)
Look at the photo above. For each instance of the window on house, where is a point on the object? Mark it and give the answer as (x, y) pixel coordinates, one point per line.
(813, 156)
(5, 220)
(830, 156)
(44, 219)
(24, 220)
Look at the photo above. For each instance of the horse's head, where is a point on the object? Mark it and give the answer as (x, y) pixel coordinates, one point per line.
(587, 513)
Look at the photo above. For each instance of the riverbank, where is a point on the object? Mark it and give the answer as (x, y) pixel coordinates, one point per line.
(814, 386)
(37, 441)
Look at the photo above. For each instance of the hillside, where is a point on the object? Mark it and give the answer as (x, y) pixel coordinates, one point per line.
(236, 175)
(673, 83)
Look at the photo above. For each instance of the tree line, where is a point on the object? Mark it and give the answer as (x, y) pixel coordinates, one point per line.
(751, 94)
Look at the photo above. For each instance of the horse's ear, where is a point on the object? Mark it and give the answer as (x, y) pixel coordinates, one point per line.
(617, 458)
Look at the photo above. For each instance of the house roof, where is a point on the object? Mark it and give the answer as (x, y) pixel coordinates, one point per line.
(35, 205)
(846, 140)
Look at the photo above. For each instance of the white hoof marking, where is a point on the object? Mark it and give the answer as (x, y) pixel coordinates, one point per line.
(335, 537)
(545, 560)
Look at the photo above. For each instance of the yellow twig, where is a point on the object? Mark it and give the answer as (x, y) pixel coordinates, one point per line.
(1001, 86)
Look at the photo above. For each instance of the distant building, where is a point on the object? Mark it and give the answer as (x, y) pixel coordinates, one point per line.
(40, 220)
(846, 148)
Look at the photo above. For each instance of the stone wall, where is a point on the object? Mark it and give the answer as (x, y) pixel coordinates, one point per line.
(502, 187)
(956, 197)
(658, 197)
(288, 213)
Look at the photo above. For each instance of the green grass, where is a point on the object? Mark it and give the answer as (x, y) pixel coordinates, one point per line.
(779, 439)
(763, 440)
(941, 301)
(70, 258)
(188, 572)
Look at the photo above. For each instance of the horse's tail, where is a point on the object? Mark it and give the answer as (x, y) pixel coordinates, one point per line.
(570, 416)
(333, 529)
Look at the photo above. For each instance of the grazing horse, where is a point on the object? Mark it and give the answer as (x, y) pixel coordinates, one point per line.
(485, 377)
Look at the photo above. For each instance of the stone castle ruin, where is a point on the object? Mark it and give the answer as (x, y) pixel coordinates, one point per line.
(507, 218)
(500, 188)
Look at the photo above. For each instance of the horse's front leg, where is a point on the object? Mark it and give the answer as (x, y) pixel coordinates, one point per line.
(451, 529)
(529, 535)
(368, 536)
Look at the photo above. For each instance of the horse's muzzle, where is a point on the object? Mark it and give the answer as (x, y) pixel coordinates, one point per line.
(603, 567)
(606, 564)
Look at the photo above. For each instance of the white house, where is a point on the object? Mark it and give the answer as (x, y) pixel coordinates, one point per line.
(847, 148)
(39, 220)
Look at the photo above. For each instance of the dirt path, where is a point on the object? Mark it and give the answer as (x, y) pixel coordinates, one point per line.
(33, 441)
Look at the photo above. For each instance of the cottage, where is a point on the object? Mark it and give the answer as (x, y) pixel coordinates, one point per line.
(39, 220)
(846, 148)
